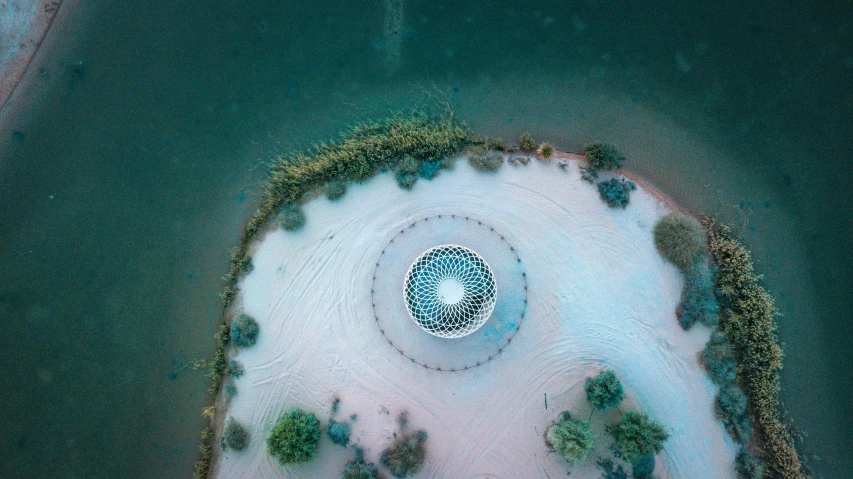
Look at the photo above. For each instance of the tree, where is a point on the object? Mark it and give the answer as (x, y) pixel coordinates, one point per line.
(294, 438)
(604, 391)
(680, 239)
(571, 438)
(244, 331)
(603, 156)
(637, 436)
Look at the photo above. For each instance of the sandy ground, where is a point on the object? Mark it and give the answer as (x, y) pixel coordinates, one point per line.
(23, 24)
(600, 296)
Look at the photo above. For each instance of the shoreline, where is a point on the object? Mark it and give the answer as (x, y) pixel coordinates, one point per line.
(36, 23)
(656, 197)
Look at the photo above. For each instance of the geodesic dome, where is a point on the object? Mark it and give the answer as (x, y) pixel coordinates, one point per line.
(450, 291)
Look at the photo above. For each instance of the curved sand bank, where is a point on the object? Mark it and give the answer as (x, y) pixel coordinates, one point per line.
(600, 296)
(23, 25)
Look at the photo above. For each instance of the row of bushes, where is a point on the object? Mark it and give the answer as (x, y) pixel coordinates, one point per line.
(745, 349)
(636, 438)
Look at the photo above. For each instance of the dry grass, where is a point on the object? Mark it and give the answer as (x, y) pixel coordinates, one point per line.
(750, 324)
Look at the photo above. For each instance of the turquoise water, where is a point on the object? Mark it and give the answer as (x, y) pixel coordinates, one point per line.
(133, 152)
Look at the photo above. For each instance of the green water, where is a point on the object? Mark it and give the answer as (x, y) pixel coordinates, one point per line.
(130, 159)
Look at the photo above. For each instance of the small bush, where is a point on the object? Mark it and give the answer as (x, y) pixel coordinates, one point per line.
(637, 436)
(294, 438)
(338, 432)
(644, 467)
(526, 143)
(497, 144)
(546, 151)
(698, 299)
(603, 156)
(291, 217)
(730, 407)
(571, 439)
(589, 175)
(335, 190)
(680, 240)
(358, 469)
(611, 470)
(236, 436)
(748, 466)
(406, 172)
(604, 390)
(488, 161)
(235, 368)
(429, 169)
(616, 192)
(230, 388)
(718, 357)
(406, 455)
(244, 331)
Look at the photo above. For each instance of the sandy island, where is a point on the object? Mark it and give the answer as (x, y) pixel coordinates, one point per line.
(600, 296)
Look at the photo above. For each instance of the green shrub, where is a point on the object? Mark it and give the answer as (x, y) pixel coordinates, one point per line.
(718, 357)
(358, 469)
(335, 190)
(235, 368)
(603, 156)
(339, 432)
(244, 331)
(611, 470)
(680, 240)
(750, 324)
(730, 407)
(698, 299)
(294, 438)
(526, 143)
(748, 466)
(236, 436)
(291, 217)
(546, 151)
(644, 467)
(571, 439)
(230, 388)
(429, 169)
(488, 161)
(637, 436)
(616, 192)
(406, 455)
(604, 390)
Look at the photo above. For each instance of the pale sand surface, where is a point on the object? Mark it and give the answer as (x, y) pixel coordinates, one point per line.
(23, 24)
(600, 296)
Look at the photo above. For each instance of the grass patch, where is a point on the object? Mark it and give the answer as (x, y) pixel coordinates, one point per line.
(546, 151)
(749, 322)
(294, 438)
(526, 143)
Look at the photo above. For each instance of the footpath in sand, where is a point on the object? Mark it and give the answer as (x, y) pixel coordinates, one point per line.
(599, 296)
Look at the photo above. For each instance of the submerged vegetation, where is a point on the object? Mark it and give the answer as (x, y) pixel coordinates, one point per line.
(294, 438)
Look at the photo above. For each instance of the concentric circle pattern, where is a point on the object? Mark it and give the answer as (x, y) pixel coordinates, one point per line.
(432, 296)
